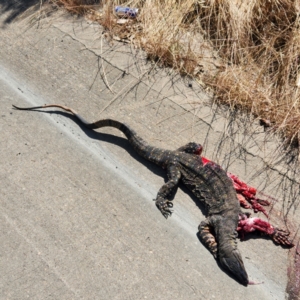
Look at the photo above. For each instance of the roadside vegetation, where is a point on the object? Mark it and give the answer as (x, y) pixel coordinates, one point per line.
(247, 52)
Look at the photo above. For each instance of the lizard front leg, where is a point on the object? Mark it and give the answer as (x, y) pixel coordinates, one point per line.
(161, 201)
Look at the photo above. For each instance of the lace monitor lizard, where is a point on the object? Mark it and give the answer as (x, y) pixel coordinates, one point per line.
(209, 183)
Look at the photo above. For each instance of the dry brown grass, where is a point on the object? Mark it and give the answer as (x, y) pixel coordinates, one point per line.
(258, 42)
(261, 41)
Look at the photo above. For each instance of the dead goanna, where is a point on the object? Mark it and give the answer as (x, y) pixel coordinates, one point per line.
(209, 183)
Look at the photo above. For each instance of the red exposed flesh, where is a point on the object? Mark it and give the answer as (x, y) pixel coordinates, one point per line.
(249, 193)
(205, 160)
(243, 201)
(247, 224)
(251, 224)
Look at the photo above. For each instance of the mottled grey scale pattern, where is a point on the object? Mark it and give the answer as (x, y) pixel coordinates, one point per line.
(208, 182)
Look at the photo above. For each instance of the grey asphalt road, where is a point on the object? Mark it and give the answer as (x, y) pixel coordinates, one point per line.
(77, 217)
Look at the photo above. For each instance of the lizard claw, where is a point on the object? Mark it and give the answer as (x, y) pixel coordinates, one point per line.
(164, 206)
(280, 236)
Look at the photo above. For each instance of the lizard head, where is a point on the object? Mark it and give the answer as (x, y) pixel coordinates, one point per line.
(191, 148)
(233, 263)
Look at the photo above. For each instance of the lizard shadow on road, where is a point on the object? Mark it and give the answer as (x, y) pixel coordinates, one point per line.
(16, 8)
(123, 143)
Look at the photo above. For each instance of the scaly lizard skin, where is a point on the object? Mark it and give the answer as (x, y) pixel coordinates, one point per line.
(209, 183)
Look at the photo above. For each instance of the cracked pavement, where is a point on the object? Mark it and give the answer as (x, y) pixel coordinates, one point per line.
(77, 216)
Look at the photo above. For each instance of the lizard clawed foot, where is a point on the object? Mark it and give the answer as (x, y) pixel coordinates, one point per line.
(280, 236)
(164, 206)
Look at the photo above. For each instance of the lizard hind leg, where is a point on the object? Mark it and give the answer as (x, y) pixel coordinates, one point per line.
(225, 252)
(207, 238)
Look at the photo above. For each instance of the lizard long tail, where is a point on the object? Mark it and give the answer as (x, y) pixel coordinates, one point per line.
(150, 153)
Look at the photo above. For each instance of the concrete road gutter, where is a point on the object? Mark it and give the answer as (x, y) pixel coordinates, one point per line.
(77, 216)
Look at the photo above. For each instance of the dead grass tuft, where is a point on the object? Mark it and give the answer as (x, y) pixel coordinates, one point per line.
(261, 42)
(257, 41)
